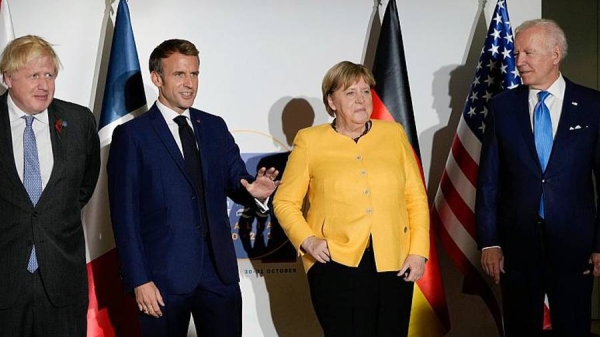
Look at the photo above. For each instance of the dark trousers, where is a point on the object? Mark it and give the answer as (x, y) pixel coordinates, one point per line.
(360, 302)
(569, 296)
(33, 315)
(216, 308)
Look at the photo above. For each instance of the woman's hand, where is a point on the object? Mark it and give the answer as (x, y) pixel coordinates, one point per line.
(415, 265)
(317, 248)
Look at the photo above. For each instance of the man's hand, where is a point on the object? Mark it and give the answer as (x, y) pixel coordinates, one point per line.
(595, 261)
(264, 185)
(492, 261)
(415, 265)
(148, 299)
(317, 248)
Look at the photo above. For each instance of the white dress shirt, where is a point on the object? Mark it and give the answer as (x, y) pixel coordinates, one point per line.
(41, 129)
(554, 102)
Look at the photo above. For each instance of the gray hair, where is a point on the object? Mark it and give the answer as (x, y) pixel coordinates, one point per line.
(555, 36)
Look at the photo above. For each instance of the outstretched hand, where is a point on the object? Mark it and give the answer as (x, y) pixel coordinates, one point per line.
(264, 185)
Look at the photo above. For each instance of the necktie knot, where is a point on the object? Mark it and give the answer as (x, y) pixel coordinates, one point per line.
(181, 121)
(542, 95)
(28, 120)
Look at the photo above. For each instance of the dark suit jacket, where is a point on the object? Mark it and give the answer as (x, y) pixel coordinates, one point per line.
(511, 182)
(154, 208)
(54, 224)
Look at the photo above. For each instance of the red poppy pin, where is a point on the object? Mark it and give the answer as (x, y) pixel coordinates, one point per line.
(60, 125)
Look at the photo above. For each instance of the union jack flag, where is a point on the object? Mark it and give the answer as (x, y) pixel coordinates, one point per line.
(453, 211)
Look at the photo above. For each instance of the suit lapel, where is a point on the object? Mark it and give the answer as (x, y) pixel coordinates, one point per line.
(58, 146)
(7, 157)
(567, 116)
(200, 133)
(164, 134)
(524, 121)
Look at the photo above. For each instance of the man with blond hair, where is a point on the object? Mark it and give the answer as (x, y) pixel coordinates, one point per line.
(49, 164)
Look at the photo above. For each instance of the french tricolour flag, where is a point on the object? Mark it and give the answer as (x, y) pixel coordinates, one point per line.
(111, 312)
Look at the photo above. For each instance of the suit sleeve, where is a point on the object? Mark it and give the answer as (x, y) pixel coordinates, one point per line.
(92, 163)
(290, 195)
(597, 183)
(487, 186)
(124, 189)
(235, 171)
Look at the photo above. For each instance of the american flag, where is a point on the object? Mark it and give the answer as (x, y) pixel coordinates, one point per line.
(453, 211)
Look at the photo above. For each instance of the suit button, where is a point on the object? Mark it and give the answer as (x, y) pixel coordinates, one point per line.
(366, 191)
(369, 210)
(405, 229)
(543, 181)
(358, 157)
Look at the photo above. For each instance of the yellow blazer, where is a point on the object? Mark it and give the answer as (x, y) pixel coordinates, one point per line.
(373, 187)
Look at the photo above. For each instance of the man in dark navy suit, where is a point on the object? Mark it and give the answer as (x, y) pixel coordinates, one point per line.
(536, 209)
(170, 172)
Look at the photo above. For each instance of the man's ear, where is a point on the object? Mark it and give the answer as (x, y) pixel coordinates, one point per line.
(6, 78)
(156, 79)
(556, 55)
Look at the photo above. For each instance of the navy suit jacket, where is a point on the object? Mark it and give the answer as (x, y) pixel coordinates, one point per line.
(154, 207)
(511, 182)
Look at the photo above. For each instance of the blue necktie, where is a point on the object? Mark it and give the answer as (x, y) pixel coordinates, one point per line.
(32, 179)
(542, 127)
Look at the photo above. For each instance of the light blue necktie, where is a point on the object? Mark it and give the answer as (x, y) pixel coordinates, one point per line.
(32, 178)
(542, 130)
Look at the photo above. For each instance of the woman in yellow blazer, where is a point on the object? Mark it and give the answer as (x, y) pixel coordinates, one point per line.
(365, 237)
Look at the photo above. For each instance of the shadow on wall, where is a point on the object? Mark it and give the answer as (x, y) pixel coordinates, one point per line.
(449, 90)
(451, 84)
(264, 241)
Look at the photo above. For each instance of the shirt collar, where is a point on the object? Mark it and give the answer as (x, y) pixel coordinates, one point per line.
(557, 89)
(170, 114)
(15, 113)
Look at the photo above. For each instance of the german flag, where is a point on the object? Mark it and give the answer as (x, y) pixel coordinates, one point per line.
(392, 101)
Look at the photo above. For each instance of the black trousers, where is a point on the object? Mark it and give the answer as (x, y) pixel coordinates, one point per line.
(33, 315)
(569, 294)
(360, 302)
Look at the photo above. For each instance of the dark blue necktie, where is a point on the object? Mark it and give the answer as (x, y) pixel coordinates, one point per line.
(32, 178)
(193, 163)
(542, 130)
